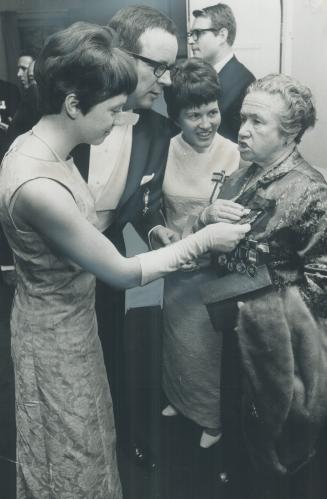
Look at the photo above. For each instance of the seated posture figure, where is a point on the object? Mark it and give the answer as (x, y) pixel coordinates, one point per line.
(64, 418)
(198, 161)
(274, 360)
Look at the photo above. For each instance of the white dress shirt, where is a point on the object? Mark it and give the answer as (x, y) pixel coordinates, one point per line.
(108, 170)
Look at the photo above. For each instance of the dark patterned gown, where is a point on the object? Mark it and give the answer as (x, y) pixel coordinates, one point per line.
(275, 360)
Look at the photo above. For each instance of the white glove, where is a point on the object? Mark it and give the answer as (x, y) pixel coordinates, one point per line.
(217, 237)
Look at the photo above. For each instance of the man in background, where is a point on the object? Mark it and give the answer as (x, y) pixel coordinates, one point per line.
(212, 37)
(27, 113)
(22, 66)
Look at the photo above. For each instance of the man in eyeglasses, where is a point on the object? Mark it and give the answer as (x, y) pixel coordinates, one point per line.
(125, 174)
(212, 37)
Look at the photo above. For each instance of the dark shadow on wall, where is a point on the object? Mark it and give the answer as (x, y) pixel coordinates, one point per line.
(26, 31)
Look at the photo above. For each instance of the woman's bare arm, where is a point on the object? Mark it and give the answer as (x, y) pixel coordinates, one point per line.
(50, 209)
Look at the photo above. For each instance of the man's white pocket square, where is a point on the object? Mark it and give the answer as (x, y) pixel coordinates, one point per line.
(146, 179)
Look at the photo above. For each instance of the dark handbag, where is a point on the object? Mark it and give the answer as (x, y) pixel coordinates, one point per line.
(222, 294)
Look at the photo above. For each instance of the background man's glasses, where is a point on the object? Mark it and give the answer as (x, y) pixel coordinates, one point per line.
(196, 33)
(159, 68)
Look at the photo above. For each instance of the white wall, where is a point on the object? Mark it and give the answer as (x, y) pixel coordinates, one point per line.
(305, 58)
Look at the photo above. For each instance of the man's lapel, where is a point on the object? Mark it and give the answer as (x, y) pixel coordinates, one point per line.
(81, 155)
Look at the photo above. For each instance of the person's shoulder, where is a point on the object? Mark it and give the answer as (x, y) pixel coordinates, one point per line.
(176, 140)
(234, 65)
(309, 173)
(7, 84)
(151, 116)
(9, 89)
(241, 66)
(154, 120)
(225, 143)
(241, 172)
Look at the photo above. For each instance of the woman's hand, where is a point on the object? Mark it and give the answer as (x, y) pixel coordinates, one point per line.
(223, 210)
(162, 236)
(225, 237)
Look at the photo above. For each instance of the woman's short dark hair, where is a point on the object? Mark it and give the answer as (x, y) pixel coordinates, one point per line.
(132, 21)
(82, 59)
(194, 82)
(300, 112)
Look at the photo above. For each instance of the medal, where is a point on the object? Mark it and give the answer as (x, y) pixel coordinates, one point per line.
(146, 197)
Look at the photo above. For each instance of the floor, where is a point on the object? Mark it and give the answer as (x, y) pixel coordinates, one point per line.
(7, 411)
(183, 470)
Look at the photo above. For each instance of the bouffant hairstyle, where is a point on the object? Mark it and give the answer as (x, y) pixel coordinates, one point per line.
(83, 60)
(132, 21)
(194, 82)
(221, 16)
(299, 113)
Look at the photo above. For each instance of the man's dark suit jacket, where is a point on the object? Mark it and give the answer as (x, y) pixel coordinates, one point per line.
(9, 93)
(234, 78)
(150, 143)
(120, 338)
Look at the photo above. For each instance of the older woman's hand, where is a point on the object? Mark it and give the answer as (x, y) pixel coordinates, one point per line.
(223, 210)
(162, 236)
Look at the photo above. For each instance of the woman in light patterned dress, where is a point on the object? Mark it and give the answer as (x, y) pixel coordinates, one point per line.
(198, 161)
(65, 427)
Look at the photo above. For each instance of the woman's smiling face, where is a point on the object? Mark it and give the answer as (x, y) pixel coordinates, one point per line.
(199, 125)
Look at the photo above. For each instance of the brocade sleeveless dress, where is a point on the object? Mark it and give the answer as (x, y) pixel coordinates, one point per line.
(66, 441)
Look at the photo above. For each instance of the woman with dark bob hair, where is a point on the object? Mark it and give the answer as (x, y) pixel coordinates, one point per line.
(65, 427)
(274, 357)
(198, 160)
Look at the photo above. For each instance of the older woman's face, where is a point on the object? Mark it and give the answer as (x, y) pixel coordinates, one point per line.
(260, 139)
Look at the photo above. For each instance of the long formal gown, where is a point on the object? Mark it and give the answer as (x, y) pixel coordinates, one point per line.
(191, 347)
(65, 428)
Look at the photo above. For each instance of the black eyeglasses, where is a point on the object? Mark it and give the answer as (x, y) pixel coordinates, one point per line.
(196, 33)
(159, 68)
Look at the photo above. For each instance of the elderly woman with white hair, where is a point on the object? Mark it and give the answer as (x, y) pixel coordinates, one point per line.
(274, 368)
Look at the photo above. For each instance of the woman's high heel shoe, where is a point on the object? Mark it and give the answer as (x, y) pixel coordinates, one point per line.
(169, 410)
(207, 440)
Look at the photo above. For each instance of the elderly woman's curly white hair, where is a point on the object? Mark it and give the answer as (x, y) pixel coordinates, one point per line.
(300, 112)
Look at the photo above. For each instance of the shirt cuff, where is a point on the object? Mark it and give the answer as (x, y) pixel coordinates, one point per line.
(4, 268)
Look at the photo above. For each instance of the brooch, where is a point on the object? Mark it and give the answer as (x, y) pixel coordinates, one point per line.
(218, 178)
